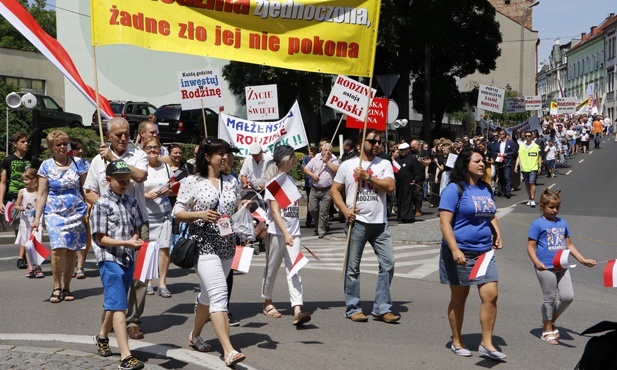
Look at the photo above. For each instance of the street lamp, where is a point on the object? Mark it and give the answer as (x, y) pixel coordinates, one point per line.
(520, 81)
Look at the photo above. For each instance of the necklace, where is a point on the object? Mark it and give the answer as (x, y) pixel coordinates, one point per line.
(62, 165)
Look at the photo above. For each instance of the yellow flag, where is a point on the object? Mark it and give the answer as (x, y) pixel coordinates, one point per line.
(335, 37)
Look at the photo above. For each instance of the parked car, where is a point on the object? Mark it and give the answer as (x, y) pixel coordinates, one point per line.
(132, 111)
(185, 126)
(52, 115)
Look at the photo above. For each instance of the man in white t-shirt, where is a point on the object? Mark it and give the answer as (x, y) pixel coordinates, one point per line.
(146, 130)
(96, 185)
(253, 169)
(369, 223)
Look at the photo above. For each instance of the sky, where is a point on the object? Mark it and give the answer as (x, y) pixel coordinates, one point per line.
(565, 19)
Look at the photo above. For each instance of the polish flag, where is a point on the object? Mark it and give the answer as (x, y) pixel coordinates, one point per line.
(300, 262)
(560, 261)
(37, 252)
(610, 274)
(8, 211)
(479, 268)
(242, 259)
(396, 166)
(283, 190)
(260, 215)
(179, 175)
(19, 17)
(147, 263)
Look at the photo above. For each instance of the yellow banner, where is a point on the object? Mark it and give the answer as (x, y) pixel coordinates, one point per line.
(335, 37)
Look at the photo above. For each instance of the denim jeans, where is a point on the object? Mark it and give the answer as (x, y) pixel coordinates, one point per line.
(378, 235)
(597, 139)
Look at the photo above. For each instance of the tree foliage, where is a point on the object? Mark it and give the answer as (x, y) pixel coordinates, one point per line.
(11, 38)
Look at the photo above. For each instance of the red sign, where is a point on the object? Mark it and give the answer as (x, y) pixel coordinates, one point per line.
(377, 114)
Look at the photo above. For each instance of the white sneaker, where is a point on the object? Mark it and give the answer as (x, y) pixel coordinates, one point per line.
(532, 204)
(528, 202)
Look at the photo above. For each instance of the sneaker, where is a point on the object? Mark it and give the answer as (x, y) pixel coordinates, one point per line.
(102, 345)
(358, 317)
(22, 264)
(388, 317)
(30, 273)
(528, 202)
(38, 272)
(532, 204)
(130, 363)
(232, 320)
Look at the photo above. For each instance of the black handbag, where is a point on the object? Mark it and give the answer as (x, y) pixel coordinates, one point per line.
(186, 252)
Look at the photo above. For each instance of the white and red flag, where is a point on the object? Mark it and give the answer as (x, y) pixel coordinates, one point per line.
(610, 274)
(19, 17)
(283, 190)
(300, 262)
(260, 214)
(479, 268)
(560, 261)
(37, 252)
(147, 263)
(8, 211)
(396, 166)
(242, 259)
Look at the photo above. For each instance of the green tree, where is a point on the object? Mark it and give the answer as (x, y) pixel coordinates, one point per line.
(11, 38)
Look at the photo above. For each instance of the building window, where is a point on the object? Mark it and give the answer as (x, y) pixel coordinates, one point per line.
(26, 85)
(611, 82)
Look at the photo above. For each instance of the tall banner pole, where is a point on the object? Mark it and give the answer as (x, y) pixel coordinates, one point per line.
(355, 198)
(96, 74)
(203, 114)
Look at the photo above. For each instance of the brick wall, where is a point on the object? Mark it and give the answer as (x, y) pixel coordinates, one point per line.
(514, 9)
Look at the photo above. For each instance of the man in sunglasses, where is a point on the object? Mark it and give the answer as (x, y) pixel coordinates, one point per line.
(372, 178)
(530, 161)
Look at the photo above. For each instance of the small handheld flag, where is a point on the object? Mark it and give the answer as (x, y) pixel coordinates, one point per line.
(242, 259)
(560, 261)
(37, 252)
(298, 264)
(147, 264)
(284, 192)
(610, 274)
(481, 265)
(8, 211)
(396, 166)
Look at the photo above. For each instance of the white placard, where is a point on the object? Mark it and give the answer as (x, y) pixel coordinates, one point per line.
(533, 102)
(491, 98)
(200, 85)
(566, 105)
(515, 105)
(532, 124)
(350, 97)
(242, 133)
(261, 102)
(451, 160)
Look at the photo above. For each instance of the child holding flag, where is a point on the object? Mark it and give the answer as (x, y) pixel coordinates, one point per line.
(26, 204)
(284, 235)
(549, 235)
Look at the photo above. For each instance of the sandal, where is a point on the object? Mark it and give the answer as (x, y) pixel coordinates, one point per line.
(303, 318)
(67, 295)
(271, 311)
(79, 273)
(549, 337)
(164, 292)
(150, 290)
(233, 358)
(198, 344)
(56, 298)
(556, 333)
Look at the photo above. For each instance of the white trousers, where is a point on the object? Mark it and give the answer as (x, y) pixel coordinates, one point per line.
(277, 250)
(212, 272)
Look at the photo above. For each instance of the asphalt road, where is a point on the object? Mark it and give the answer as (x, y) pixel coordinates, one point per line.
(419, 341)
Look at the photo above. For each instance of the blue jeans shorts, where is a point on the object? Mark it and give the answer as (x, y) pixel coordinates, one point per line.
(116, 281)
(530, 177)
(452, 274)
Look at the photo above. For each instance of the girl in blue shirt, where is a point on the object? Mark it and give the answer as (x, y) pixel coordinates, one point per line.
(547, 235)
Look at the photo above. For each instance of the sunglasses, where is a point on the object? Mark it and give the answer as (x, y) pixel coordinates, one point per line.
(373, 141)
(150, 147)
(61, 144)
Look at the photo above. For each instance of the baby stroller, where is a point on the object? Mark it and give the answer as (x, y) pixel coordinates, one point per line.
(261, 229)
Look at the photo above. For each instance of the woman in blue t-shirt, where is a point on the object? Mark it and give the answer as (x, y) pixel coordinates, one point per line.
(470, 229)
(548, 235)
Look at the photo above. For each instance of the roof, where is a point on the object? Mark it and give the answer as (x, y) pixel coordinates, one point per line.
(595, 32)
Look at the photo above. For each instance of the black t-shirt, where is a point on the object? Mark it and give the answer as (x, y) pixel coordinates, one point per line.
(14, 167)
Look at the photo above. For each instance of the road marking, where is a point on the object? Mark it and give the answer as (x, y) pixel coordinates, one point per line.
(181, 354)
(581, 161)
(551, 185)
(589, 152)
(569, 172)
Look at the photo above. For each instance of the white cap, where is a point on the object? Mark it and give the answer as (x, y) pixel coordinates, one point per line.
(255, 148)
(403, 146)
